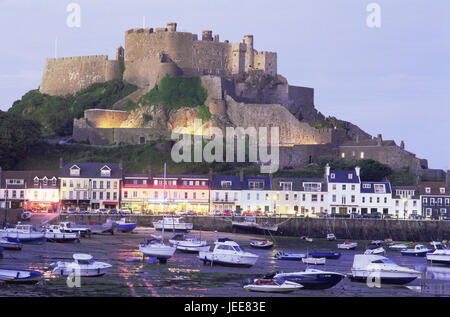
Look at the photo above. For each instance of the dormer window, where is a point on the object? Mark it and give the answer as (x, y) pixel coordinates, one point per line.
(350, 176)
(286, 185)
(105, 171)
(36, 181)
(225, 184)
(367, 186)
(428, 190)
(333, 176)
(45, 180)
(54, 181)
(74, 171)
(442, 190)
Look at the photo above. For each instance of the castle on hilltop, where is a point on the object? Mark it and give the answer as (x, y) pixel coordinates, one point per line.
(150, 54)
(244, 90)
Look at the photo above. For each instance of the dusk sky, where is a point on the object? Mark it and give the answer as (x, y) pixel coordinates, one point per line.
(392, 80)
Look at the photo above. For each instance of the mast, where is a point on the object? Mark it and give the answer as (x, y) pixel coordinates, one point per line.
(164, 202)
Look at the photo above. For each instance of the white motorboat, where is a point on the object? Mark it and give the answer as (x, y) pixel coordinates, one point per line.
(155, 248)
(53, 233)
(228, 253)
(314, 261)
(20, 276)
(440, 255)
(187, 244)
(22, 233)
(331, 237)
(398, 246)
(347, 245)
(172, 224)
(419, 251)
(83, 265)
(72, 228)
(369, 267)
(272, 286)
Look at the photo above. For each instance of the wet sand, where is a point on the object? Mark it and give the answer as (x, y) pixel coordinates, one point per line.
(185, 275)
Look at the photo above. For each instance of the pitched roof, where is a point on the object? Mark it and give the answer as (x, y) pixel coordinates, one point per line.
(90, 170)
(370, 142)
(27, 176)
(369, 187)
(435, 188)
(343, 177)
(297, 183)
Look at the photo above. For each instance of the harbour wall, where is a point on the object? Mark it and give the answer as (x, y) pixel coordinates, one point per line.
(355, 229)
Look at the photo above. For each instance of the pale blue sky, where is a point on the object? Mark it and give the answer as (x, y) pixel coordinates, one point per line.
(393, 80)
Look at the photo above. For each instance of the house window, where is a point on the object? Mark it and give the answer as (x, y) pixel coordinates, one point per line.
(362, 155)
(343, 155)
(350, 176)
(125, 194)
(101, 195)
(256, 185)
(74, 171)
(105, 171)
(379, 188)
(344, 187)
(442, 190)
(226, 184)
(333, 176)
(285, 185)
(428, 190)
(94, 195)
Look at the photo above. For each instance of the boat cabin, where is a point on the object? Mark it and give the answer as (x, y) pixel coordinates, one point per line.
(81, 259)
(364, 260)
(226, 245)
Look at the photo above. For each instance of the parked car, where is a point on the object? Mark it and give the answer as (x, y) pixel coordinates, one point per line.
(226, 213)
(113, 212)
(103, 211)
(71, 211)
(82, 211)
(247, 213)
(237, 213)
(125, 211)
(259, 213)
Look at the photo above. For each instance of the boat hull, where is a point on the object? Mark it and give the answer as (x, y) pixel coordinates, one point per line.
(415, 253)
(7, 245)
(384, 277)
(62, 237)
(160, 252)
(314, 261)
(439, 258)
(286, 287)
(20, 276)
(326, 255)
(312, 281)
(227, 260)
(126, 228)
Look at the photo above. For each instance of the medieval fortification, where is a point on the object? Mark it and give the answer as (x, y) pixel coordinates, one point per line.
(244, 89)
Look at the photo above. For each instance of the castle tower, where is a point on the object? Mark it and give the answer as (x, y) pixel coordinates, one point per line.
(250, 53)
(207, 35)
(171, 27)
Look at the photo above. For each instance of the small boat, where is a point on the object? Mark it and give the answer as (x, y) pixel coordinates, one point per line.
(331, 237)
(272, 286)
(22, 234)
(186, 244)
(261, 244)
(307, 239)
(314, 261)
(440, 255)
(83, 265)
(398, 246)
(249, 225)
(108, 227)
(419, 251)
(155, 248)
(286, 256)
(379, 250)
(72, 228)
(1, 252)
(347, 245)
(372, 267)
(53, 233)
(172, 224)
(228, 253)
(326, 255)
(312, 278)
(20, 276)
(125, 225)
(9, 245)
(26, 215)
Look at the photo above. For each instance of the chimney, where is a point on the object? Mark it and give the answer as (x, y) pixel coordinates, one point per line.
(61, 162)
(402, 145)
(379, 139)
(447, 179)
(149, 172)
(358, 171)
(241, 175)
(327, 170)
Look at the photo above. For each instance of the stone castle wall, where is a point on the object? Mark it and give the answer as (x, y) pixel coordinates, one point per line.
(71, 74)
(102, 118)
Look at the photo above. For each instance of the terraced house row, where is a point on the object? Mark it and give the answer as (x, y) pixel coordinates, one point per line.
(94, 186)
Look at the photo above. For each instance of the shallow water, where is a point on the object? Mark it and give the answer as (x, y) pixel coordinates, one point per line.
(185, 274)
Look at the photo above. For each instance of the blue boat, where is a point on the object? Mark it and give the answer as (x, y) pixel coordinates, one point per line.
(124, 224)
(312, 279)
(418, 251)
(7, 245)
(326, 255)
(290, 256)
(20, 276)
(1, 252)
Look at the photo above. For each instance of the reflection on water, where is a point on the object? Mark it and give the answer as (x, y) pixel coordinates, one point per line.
(185, 274)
